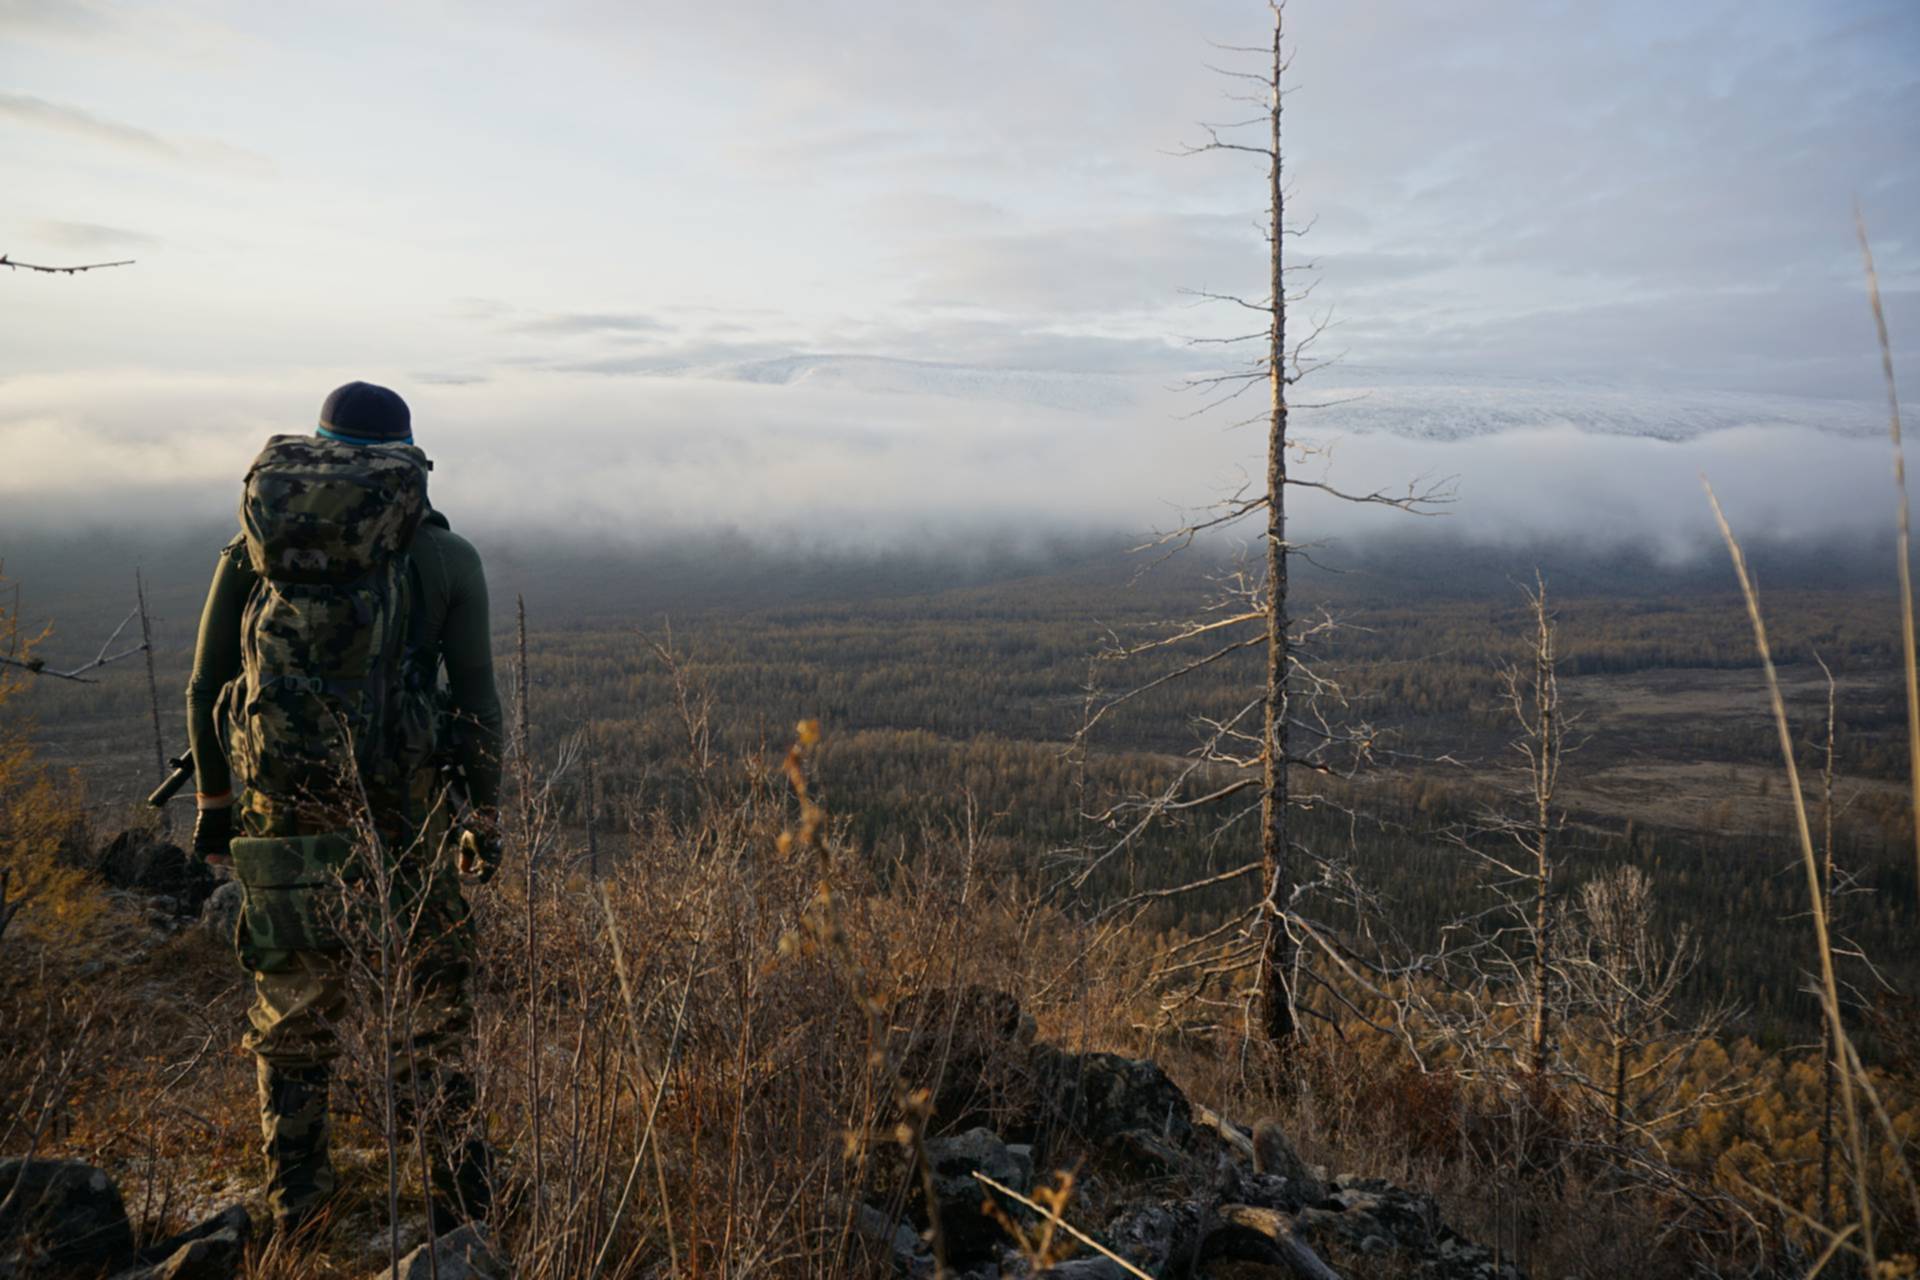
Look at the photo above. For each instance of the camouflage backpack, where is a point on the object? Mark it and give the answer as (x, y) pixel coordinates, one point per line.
(324, 691)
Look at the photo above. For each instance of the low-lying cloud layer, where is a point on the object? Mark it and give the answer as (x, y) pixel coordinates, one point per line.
(918, 455)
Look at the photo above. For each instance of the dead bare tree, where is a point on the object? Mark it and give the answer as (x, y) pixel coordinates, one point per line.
(13, 264)
(1837, 885)
(19, 655)
(153, 683)
(1505, 989)
(1627, 976)
(1537, 708)
(1522, 849)
(1276, 958)
(1250, 752)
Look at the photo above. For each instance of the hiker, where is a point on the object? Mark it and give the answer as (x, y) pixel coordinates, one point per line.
(323, 738)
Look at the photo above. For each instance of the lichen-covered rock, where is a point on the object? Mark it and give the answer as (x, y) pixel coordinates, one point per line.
(64, 1218)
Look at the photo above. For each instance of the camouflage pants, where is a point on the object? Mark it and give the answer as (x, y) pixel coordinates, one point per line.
(302, 996)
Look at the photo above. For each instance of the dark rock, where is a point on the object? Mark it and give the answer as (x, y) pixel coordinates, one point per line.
(1214, 1198)
(464, 1254)
(213, 1250)
(1369, 1217)
(974, 1048)
(62, 1218)
(1264, 1191)
(138, 861)
(1091, 1268)
(1273, 1154)
(1135, 1154)
(1125, 1111)
(1161, 1237)
(1104, 1094)
(901, 1241)
(969, 1229)
(1266, 1237)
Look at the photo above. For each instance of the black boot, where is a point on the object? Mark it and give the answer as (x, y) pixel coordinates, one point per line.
(462, 1186)
(461, 1164)
(294, 1128)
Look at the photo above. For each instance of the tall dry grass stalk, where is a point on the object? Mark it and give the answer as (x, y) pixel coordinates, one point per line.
(1830, 986)
(1901, 551)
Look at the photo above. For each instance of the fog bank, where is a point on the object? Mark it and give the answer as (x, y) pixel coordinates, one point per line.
(838, 466)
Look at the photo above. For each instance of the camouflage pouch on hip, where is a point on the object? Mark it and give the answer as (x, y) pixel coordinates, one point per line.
(292, 888)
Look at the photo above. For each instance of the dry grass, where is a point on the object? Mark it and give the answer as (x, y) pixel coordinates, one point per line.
(677, 1092)
(712, 1103)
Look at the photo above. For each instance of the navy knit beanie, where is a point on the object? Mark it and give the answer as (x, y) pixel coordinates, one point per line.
(361, 413)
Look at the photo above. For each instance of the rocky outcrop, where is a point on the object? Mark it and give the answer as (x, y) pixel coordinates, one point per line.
(1198, 1195)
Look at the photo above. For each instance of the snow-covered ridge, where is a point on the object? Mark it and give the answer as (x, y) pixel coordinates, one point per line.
(1413, 407)
(1441, 411)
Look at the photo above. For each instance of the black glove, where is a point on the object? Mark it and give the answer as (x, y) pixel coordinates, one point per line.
(212, 833)
(479, 854)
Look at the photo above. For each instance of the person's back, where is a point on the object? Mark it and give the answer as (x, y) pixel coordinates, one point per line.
(316, 681)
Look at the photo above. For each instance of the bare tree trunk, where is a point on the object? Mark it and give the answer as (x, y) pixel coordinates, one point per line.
(153, 685)
(593, 834)
(1619, 1092)
(522, 732)
(1546, 691)
(1827, 1047)
(1277, 948)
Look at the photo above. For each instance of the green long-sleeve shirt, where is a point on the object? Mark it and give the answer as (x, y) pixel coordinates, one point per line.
(450, 625)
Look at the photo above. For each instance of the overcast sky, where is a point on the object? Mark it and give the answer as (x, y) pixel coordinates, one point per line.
(576, 224)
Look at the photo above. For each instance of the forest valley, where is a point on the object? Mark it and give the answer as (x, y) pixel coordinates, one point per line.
(715, 948)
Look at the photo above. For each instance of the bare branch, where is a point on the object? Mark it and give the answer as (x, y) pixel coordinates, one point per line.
(38, 666)
(16, 265)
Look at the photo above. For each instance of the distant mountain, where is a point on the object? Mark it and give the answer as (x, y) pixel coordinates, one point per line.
(1356, 401)
(1044, 388)
(1459, 411)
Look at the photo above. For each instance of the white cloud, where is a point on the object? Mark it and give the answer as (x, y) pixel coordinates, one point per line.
(504, 201)
(28, 111)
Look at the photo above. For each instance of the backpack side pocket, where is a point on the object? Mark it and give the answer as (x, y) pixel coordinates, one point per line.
(292, 890)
